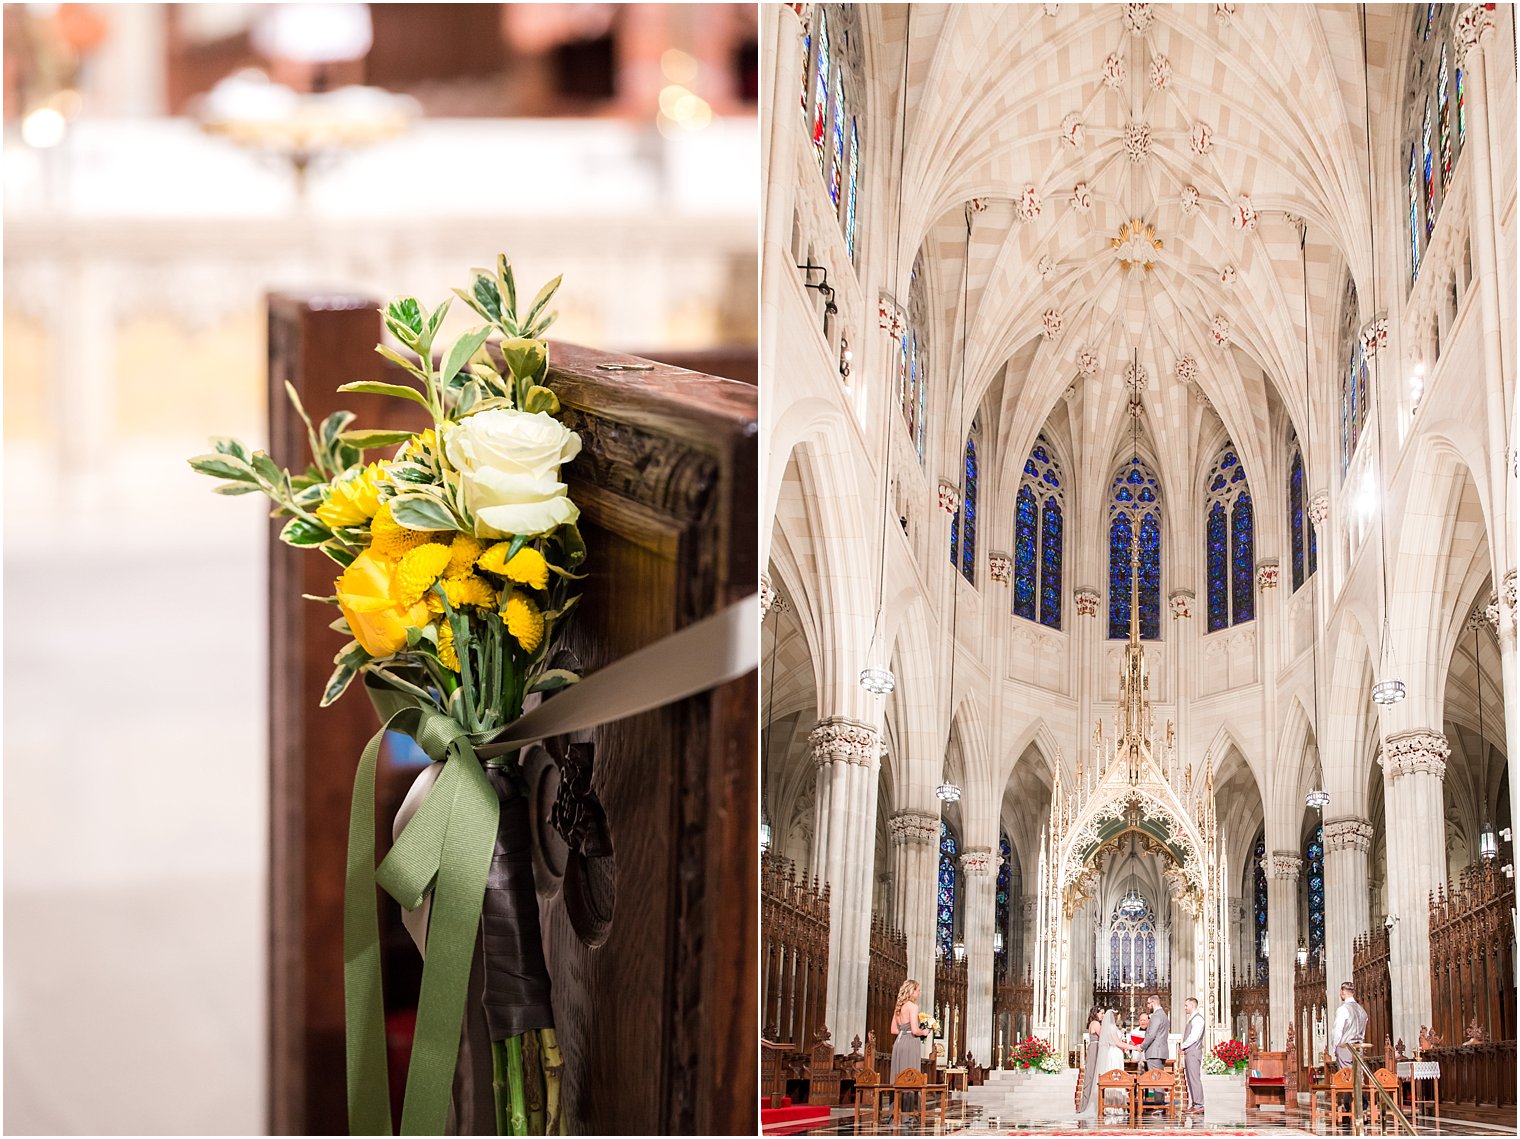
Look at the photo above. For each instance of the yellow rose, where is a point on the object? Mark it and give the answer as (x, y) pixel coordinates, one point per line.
(364, 595)
(353, 501)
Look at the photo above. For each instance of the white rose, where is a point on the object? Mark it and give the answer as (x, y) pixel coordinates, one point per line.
(508, 462)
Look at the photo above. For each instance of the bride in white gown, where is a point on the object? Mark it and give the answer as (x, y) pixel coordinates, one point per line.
(1110, 1053)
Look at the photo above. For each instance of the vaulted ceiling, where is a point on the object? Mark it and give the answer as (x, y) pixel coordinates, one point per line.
(1137, 173)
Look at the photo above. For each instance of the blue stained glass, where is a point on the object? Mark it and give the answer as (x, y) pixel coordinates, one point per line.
(1296, 515)
(849, 225)
(1004, 881)
(807, 56)
(1030, 469)
(1444, 103)
(1313, 550)
(1461, 108)
(1243, 558)
(1146, 495)
(1228, 461)
(1040, 454)
(1218, 483)
(1124, 495)
(1314, 856)
(948, 886)
(836, 168)
(1118, 576)
(1430, 183)
(1414, 221)
(1430, 20)
(1135, 477)
(1150, 577)
(1050, 565)
(1024, 551)
(1239, 475)
(968, 516)
(1216, 555)
(1050, 478)
(1260, 890)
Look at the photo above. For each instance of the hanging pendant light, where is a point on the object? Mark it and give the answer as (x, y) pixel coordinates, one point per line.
(1318, 799)
(877, 681)
(947, 793)
(1302, 954)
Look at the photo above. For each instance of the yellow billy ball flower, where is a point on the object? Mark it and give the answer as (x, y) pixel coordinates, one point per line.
(528, 567)
(365, 596)
(446, 652)
(469, 590)
(354, 501)
(413, 447)
(390, 539)
(525, 621)
(417, 571)
(462, 555)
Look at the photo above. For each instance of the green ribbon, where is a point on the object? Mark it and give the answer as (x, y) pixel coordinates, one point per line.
(445, 849)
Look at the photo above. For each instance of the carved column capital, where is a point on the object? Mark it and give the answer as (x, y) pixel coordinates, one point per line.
(1283, 865)
(1474, 20)
(770, 598)
(1182, 603)
(838, 740)
(1348, 832)
(1491, 611)
(1000, 567)
(1086, 601)
(1419, 751)
(949, 498)
(978, 860)
(913, 826)
(1267, 574)
(1319, 508)
(1509, 593)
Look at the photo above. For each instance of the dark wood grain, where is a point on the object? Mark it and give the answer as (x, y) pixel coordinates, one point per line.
(658, 1021)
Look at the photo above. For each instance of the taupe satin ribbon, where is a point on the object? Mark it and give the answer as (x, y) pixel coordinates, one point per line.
(703, 655)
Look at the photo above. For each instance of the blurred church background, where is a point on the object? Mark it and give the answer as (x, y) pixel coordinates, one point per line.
(165, 167)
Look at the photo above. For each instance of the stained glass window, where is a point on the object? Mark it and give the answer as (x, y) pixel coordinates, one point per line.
(849, 225)
(913, 364)
(1038, 537)
(836, 168)
(1430, 183)
(1445, 124)
(1461, 109)
(1414, 220)
(1243, 559)
(1218, 559)
(1229, 542)
(821, 88)
(1025, 553)
(1004, 886)
(949, 884)
(1134, 508)
(1296, 519)
(1353, 379)
(1314, 864)
(1132, 942)
(1430, 19)
(1260, 892)
(968, 517)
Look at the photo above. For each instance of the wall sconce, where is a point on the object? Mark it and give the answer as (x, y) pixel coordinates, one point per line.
(960, 952)
(824, 288)
(1303, 954)
(846, 358)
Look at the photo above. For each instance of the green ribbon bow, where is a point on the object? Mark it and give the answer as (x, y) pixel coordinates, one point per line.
(446, 849)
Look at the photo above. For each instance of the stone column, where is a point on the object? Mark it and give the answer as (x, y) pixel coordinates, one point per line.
(1348, 839)
(1414, 765)
(1283, 869)
(915, 872)
(978, 865)
(1029, 916)
(847, 756)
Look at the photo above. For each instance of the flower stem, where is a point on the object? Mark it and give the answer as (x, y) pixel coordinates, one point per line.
(517, 1119)
(553, 1065)
(534, 1074)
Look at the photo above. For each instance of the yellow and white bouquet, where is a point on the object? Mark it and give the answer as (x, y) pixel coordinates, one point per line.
(459, 557)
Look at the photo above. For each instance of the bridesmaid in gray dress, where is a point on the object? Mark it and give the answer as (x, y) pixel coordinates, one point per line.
(907, 1052)
(1090, 1067)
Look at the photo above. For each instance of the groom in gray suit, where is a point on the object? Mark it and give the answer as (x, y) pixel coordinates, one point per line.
(1156, 1046)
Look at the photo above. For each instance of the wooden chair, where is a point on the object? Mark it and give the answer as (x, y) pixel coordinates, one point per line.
(1164, 1084)
(1267, 1080)
(824, 1075)
(866, 1085)
(910, 1081)
(1382, 1109)
(1118, 1080)
(1341, 1097)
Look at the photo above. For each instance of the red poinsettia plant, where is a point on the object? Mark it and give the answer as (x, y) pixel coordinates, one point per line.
(1231, 1053)
(1030, 1052)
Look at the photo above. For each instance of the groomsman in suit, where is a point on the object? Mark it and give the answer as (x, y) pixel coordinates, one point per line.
(1157, 1045)
(1192, 1054)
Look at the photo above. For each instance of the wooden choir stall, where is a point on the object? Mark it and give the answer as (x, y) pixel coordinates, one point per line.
(888, 970)
(650, 945)
(794, 924)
